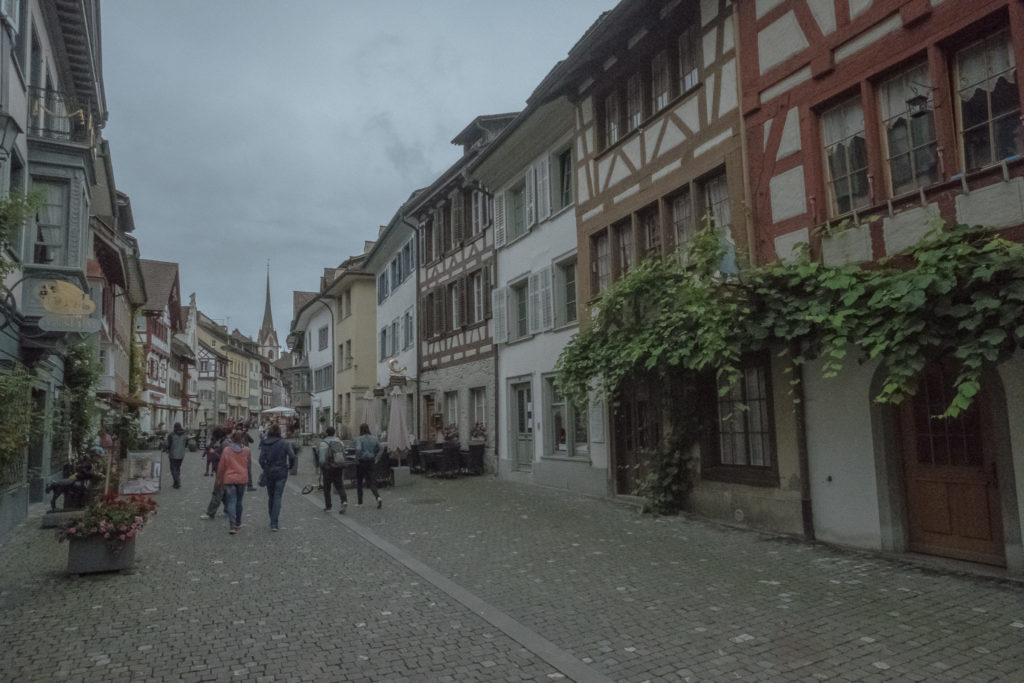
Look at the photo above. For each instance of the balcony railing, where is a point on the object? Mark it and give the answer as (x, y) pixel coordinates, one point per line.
(56, 116)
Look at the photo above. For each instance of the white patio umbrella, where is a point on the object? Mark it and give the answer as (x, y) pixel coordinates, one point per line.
(398, 428)
(371, 416)
(279, 410)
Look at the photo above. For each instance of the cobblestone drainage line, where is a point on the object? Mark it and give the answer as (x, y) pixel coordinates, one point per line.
(563, 661)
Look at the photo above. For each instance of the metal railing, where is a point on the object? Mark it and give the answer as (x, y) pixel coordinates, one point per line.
(57, 116)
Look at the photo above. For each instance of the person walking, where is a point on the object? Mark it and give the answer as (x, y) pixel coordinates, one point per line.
(176, 443)
(367, 450)
(232, 475)
(218, 442)
(276, 458)
(331, 460)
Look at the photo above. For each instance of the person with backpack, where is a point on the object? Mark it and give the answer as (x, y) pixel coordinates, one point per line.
(276, 458)
(367, 451)
(331, 459)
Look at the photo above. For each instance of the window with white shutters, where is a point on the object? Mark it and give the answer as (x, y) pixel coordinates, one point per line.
(534, 305)
(499, 219)
(543, 176)
(531, 196)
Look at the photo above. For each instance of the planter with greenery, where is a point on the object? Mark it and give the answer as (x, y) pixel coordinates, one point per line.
(103, 537)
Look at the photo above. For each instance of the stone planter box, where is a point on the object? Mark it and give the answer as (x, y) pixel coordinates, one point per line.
(92, 554)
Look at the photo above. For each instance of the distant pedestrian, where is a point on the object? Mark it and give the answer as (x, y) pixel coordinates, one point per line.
(367, 451)
(231, 473)
(330, 457)
(176, 444)
(218, 442)
(276, 458)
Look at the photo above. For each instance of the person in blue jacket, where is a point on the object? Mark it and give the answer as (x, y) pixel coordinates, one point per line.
(276, 458)
(367, 450)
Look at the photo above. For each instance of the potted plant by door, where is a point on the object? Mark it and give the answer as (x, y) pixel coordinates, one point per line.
(102, 539)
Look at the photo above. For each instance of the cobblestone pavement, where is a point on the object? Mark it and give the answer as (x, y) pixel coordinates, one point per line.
(476, 579)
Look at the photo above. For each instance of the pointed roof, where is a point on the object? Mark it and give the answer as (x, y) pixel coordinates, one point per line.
(268, 318)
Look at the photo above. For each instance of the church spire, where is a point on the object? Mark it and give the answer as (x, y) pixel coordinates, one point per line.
(268, 318)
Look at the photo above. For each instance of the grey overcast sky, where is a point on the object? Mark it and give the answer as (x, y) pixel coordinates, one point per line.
(248, 130)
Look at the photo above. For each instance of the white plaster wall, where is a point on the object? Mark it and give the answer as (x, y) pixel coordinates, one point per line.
(394, 307)
(318, 317)
(841, 454)
(779, 40)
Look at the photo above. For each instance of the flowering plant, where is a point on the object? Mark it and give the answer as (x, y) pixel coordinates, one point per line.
(479, 431)
(451, 432)
(115, 519)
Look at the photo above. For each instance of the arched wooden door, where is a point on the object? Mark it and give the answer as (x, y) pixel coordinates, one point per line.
(949, 465)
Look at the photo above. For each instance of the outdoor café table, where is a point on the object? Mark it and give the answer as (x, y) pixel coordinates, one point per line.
(431, 459)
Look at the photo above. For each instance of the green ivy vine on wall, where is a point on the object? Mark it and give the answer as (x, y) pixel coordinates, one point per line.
(81, 374)
(958, 294)
(15, 420)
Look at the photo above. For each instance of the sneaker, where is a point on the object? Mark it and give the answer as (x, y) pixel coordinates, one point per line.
(273, 528)
(342, 510)
(205, 517)
(233, 531)
(379, 503)
(327, 509)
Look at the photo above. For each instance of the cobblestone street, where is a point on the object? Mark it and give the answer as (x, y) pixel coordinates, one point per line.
(475, 579)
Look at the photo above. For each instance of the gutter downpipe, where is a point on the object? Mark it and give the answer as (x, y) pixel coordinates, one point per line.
(803, 456)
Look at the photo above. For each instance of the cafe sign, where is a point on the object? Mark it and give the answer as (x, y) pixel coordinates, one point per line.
(67, 308)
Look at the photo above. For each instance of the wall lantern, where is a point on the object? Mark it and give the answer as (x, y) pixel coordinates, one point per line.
(9, 130)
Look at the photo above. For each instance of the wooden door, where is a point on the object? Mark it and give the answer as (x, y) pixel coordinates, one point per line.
(522, 426)
(951, 478)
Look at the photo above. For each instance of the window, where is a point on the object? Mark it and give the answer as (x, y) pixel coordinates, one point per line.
(650, 230)
(408, 332)
(481, 217)
(322, 338)
(426, 240)
(744, 420)
(451, 408)
(348, 354)
(516, 206)
(622, 233)
(988, 101)
(519, 310)
(394, 337)
(383, 343)
(407, 258)
(478, 406)
(909, 130)
(323, 378)
(382, 286)
(564, 196)
(564, 277)
(660, 81)
(51, 225)
(453, 300)
(846, 156)
(476, 297)
(396, 271)
(567, 425)
(683, 225)
(600, 263)
(611, 119)
(634, 102)
(689, 58)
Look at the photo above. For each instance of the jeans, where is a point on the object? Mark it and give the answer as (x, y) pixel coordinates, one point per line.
(176, 471)
(234, 493)
(366, 469)
(275, 489)
(335, 476)
(216, 498)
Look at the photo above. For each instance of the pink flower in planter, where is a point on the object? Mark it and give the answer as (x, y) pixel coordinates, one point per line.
(122, 537)
(71, 530)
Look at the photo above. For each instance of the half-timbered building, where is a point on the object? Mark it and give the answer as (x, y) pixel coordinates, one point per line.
(866, 123)
(155, 326)
(456, 250)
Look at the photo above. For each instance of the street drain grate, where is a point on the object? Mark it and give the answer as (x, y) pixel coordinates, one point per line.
(426, 501)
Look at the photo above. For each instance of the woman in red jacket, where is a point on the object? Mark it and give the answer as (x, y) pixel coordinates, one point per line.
(233, 475)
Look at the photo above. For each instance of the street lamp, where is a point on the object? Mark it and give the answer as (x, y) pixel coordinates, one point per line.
(9, 131)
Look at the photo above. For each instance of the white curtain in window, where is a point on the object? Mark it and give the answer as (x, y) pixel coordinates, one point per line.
(842, 122)
(979, 65)
(897, 91)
